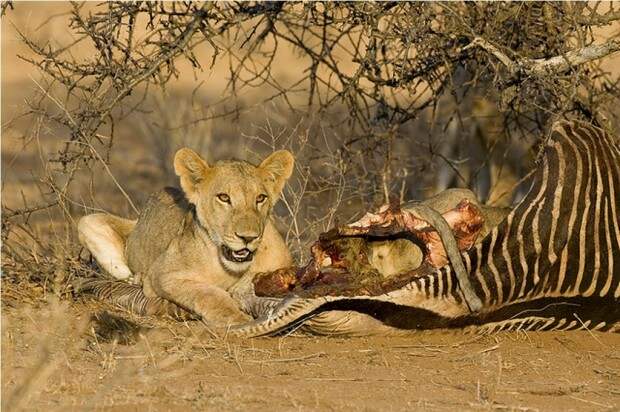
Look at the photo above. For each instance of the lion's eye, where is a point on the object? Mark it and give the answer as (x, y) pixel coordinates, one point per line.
(223, 197)
(261, 198)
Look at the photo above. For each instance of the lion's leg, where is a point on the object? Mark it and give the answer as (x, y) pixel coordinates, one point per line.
(105, 236)
(215, 305)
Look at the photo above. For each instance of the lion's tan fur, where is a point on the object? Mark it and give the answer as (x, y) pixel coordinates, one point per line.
(174, 249)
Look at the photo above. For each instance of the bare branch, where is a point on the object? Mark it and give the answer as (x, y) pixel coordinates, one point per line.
(512, 66)
(595, 19)
(552, 65)
(560, 64)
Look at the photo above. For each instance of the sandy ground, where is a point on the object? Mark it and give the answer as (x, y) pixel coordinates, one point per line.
(55, 358)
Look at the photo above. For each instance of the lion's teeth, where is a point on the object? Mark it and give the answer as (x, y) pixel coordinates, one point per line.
(241, 253)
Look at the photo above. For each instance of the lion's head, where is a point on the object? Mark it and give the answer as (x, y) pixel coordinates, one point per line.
(233, 200)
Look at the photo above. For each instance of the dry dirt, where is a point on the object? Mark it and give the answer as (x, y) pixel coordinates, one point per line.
(52, 360)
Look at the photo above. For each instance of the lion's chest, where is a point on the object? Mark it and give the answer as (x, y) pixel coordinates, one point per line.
(201, 257)
(209, 268)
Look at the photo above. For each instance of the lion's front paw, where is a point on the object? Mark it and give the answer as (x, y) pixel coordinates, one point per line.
(224, 315)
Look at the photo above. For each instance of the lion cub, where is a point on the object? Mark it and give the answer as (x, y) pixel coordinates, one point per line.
(189, 246)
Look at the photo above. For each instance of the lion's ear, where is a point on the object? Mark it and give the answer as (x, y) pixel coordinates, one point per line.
(191, 169)
(276, 169)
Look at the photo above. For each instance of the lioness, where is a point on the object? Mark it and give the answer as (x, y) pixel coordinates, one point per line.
(189, 246)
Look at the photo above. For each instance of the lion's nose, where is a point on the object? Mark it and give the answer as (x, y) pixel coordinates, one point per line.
(247, 237)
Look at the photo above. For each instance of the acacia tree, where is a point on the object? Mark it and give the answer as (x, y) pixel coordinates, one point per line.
(381, 66)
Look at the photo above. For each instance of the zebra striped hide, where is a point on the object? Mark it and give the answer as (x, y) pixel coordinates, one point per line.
(553, 263)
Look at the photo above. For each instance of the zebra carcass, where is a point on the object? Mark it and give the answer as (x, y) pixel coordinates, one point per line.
(552, 264)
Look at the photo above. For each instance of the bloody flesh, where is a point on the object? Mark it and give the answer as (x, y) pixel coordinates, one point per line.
(340, 263)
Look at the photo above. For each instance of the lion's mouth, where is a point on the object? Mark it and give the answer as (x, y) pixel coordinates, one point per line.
(238, 256)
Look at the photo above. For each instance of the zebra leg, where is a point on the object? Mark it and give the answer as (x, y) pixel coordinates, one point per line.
(130, 297)
(537, 323)
(531, 323)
